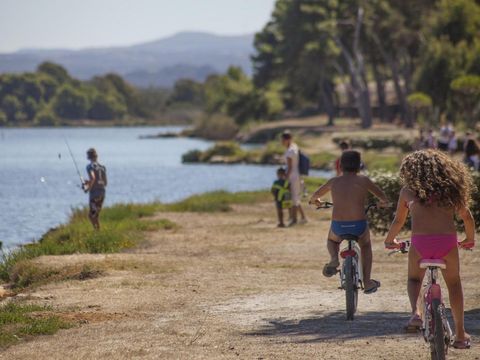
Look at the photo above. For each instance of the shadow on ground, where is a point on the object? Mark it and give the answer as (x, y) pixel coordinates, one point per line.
(333, 326)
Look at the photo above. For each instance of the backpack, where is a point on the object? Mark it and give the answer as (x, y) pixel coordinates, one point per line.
(303, 163)
(100, 175)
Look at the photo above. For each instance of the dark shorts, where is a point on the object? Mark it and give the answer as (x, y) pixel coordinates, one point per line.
(96, 203)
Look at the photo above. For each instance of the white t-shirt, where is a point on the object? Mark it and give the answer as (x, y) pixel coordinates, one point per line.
(293, 153)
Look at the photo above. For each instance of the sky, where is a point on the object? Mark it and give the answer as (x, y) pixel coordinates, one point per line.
(75, 24)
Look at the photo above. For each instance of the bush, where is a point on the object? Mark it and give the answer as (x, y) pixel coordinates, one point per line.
(380, 219)
(215, 127)
(378, 143)
(467, 97)
(45, 118)
(421, 105)
(70, 103)
(193, 156)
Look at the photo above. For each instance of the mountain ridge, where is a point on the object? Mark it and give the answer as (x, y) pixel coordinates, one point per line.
(189, 53)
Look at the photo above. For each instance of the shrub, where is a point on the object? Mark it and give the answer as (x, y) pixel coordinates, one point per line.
(380, 219)
(378, 143)
(215, 127)
(193, 156)
(421, 105)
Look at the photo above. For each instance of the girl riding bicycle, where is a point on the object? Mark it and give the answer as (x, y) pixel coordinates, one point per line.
(436, 188)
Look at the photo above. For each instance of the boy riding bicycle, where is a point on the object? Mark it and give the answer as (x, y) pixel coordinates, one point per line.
(349, 193)
(436, 188)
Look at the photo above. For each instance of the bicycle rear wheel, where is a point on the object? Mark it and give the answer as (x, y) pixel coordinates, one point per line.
(351, 290)
(438, 346)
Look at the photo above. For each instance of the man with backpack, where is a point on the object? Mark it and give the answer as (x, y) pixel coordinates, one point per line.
(95, 186)
(292, 160)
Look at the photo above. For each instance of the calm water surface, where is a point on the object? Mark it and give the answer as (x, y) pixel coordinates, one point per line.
(39, 183)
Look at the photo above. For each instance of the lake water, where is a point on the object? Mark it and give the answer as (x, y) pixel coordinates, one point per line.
(39, 183)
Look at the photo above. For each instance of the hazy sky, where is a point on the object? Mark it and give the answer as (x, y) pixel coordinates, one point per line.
(84, 23)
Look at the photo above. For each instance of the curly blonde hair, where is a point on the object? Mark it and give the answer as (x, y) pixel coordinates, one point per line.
(433, 176)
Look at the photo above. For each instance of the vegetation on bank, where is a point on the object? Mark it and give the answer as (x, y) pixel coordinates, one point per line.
(230, 152)
(22, 321)
(123, 226)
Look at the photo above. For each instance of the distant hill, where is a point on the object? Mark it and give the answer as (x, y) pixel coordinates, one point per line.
(159, 63)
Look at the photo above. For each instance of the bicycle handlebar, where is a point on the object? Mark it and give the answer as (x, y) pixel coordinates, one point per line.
(404, 246)
(328, 205)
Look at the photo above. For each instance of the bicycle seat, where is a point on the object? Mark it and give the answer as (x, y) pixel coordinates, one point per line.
(438, 263)
(349, 237)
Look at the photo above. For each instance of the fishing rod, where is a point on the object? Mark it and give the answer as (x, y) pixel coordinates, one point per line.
(74, 162)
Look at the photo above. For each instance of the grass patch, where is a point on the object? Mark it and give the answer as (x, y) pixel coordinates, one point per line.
(20, 322)
(217, 201)
(313, 183)
(322, 161)
(25, 273)
(375, 161)
(123, 226)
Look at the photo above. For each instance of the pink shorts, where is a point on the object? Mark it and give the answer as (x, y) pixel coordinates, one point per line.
(434, 246)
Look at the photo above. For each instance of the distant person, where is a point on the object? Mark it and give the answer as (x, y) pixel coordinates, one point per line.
(281, 194)
(344, 146)
(95, 186)
(444, 136)
(452, 143)
(472, 154)
(430, 140)
(420, 142)
(293, 176)
(349, 193)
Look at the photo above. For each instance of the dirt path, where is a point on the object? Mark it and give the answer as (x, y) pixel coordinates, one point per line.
(233, 286)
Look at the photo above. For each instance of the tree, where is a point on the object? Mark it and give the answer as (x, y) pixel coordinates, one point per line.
(70, 103)
(57, 72)
(467, 97)
(12, 108)
(187, 91)
(106, 107)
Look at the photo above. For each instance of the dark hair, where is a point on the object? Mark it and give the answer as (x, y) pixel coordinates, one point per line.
(471, 148)
(281, 170)
(92, 154)
(286, 135)
(350, 161)
(344, 145)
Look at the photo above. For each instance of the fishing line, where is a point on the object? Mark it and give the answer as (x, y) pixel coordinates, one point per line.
(73, 159)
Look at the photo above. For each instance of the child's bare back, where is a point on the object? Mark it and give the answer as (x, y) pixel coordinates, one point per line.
(349, 195)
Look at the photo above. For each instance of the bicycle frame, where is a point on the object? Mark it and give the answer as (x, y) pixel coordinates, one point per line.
(432, 292)
(352, 250)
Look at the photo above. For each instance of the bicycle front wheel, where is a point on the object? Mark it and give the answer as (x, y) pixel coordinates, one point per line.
(438, 345)
(351, 290)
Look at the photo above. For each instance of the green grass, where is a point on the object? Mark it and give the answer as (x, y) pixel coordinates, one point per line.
(376, 161)
(323, 160)
(217, 201)
(20, 322)
(123, 226)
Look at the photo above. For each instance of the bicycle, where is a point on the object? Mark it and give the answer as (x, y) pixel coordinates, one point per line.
(351, 275)
(436, 327)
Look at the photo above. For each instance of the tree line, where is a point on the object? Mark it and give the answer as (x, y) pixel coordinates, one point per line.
(427, 52)
(50, 95)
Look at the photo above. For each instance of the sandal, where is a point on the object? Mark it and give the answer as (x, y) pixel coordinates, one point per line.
(462, 344)
(373, 289)
(330, 269)
(414, 324)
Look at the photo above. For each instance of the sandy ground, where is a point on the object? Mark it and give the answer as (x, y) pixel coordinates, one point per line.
(233, 286)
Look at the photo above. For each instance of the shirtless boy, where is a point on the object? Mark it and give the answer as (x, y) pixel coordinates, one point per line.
(349, 193)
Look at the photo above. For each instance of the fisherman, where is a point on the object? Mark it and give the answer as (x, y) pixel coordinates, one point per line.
(95, 186)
